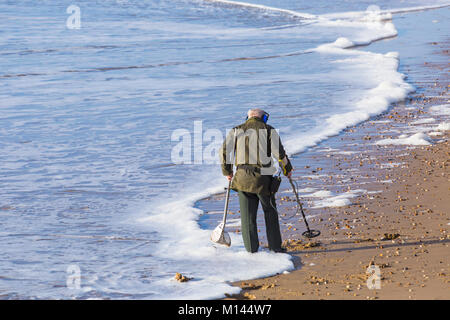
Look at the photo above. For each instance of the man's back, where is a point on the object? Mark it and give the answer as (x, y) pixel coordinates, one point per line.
(253, 143)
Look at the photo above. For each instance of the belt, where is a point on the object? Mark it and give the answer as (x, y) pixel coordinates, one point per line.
(248, 167)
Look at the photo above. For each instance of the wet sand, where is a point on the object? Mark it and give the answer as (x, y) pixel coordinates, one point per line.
(400, 224)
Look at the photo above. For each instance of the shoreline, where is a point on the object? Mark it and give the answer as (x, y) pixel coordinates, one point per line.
(400, 223)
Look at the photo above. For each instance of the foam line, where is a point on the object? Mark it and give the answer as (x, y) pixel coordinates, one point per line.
(341, 15)
(413, 9)
(386, 12)
(265, 8)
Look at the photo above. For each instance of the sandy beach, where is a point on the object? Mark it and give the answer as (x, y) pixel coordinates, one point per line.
(400, 225)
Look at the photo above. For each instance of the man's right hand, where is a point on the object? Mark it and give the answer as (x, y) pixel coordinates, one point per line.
(289, 175)
(286, 166)
(229, 177)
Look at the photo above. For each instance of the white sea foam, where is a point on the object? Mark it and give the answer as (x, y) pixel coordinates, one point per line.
(303, 190)
(306, 190)
(321, 194)
(424, 120)
(443, 109)
(189, 245)
(265, 8)
(378, 70)
(233, 223)
(422, 135)
(375, 13)
(340, 200)
(418, 139)
(444, 126)
(381, 121)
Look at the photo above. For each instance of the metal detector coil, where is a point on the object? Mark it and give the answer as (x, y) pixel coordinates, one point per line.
(311, 233)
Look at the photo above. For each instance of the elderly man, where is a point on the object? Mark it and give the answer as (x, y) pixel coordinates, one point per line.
(251, 146)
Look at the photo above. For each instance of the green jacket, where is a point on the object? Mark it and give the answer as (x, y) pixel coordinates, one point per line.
(250, 146)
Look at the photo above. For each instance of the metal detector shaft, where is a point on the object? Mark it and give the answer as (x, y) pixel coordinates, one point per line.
(300, 204)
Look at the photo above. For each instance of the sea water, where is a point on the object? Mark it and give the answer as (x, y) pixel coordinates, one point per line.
(112, 113)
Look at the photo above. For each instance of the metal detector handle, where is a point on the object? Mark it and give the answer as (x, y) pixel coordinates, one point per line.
(227, 198)
(300, 204)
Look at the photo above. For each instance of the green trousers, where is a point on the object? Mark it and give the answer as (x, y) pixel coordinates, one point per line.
(249, 208)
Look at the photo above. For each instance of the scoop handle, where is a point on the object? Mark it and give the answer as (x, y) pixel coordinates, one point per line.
(227, 198)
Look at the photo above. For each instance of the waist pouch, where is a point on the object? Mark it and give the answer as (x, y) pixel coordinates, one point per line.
(275, 183)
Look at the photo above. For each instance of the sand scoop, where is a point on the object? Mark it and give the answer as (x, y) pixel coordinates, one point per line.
(219, 235)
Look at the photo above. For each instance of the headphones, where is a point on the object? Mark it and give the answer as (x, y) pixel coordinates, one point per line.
(264, 118)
